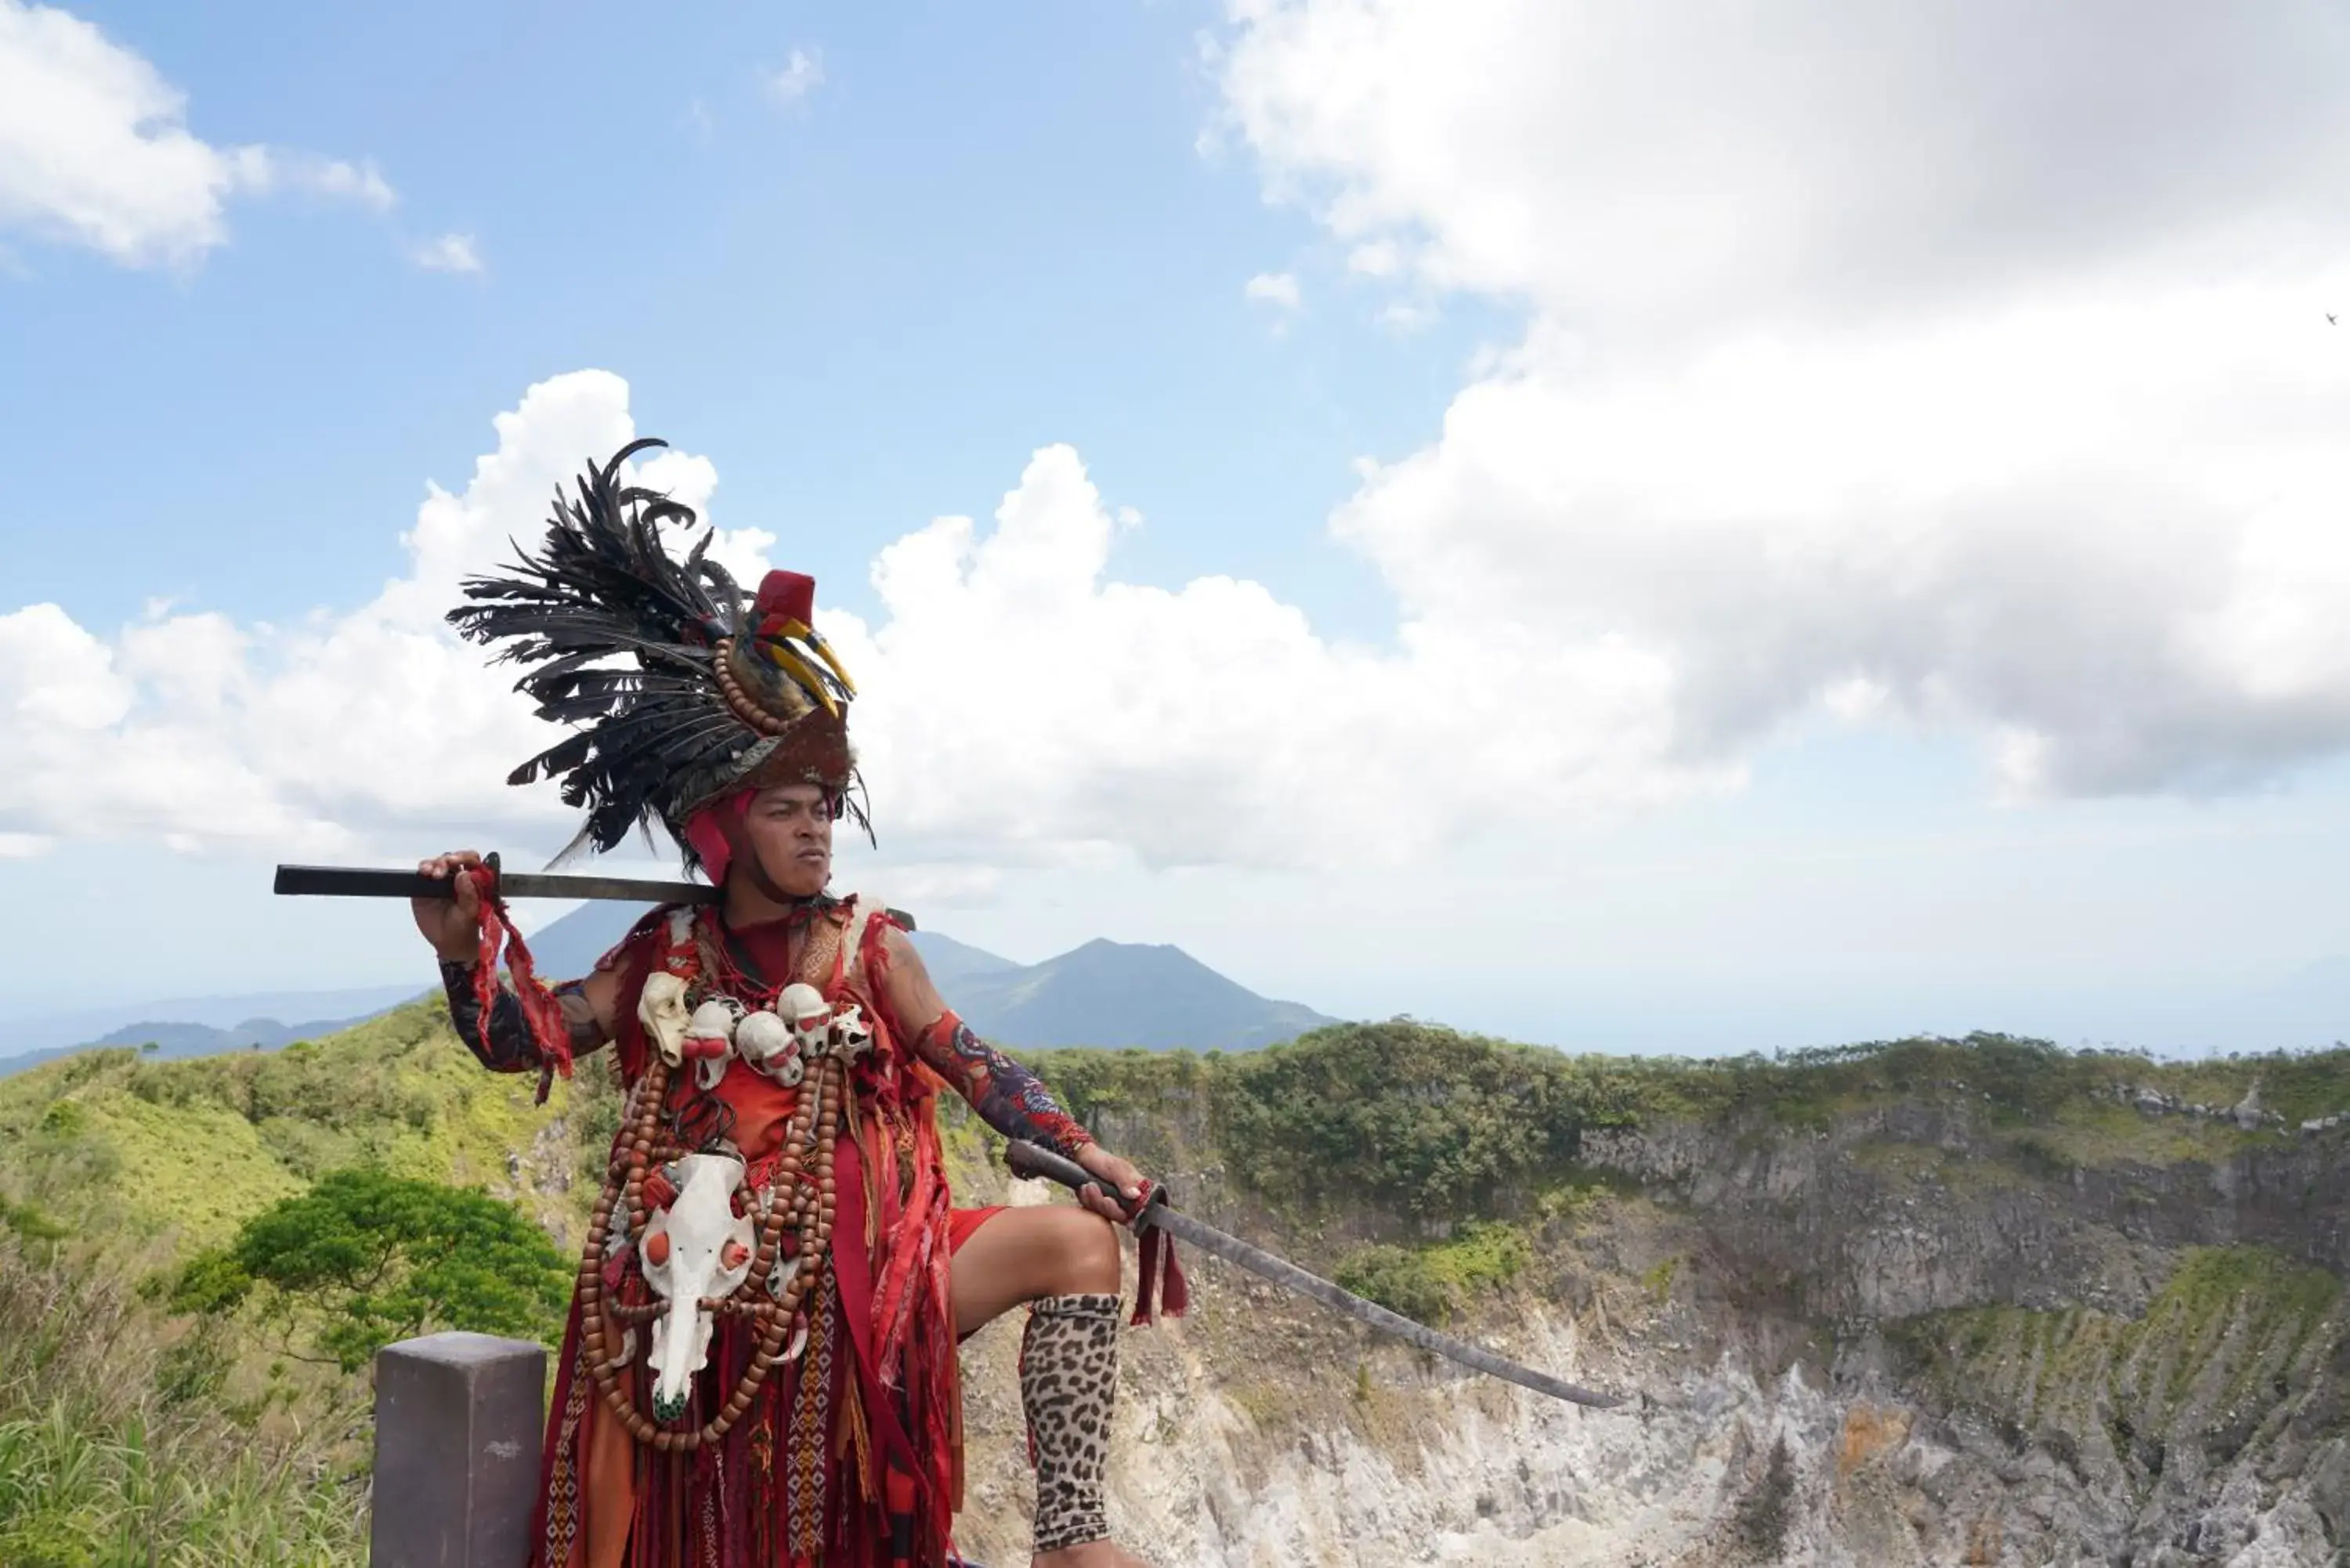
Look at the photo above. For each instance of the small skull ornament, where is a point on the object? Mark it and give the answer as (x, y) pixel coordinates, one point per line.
(764, 1041)
(810, 1017)
(852, 1037)
(710, 1038)
(662, 1010)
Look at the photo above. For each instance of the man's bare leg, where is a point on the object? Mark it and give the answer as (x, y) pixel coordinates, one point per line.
(1065, 1260)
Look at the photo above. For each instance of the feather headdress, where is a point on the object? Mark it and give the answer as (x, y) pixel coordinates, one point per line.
(679, 686)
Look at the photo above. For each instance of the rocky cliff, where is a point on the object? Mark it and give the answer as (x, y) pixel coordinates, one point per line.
(1932, 1302)
(1918, 1323)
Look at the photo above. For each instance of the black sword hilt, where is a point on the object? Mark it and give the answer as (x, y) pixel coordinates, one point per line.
(1030, 1159)
(367, 882)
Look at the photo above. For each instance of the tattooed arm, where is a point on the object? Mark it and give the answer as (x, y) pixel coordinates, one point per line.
(1007, 1096)
(502, 1043)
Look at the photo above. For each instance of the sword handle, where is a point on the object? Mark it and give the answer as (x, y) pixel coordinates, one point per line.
(366, 882)
(1030, 1159)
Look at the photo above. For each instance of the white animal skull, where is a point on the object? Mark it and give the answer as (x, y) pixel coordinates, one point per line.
(710, 1038)
(662, 1010)
(696, 1247)
(852, 1037)
(763, 1040)
(810, 1016)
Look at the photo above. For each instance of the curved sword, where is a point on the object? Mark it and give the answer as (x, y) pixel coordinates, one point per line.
(1028, 1159)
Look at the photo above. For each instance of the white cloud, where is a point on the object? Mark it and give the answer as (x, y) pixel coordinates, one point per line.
(359, 182)
(448, 252)
(1022, 706)
(1967, 355)
(304, 738)
(1278, 289)
(1670, 169)
(2080, 495)
(1027, 705)
(94, 149)
(799, 76)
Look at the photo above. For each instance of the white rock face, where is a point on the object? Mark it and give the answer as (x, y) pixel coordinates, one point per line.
(1790, 1351)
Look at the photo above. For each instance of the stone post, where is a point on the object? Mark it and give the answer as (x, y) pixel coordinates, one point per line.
(458, 1423)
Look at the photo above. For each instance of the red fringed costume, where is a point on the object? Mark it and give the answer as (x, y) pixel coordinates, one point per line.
(759, 1368)
(853, 1453)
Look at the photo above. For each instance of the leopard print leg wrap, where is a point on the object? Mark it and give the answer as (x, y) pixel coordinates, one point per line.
(1068, 1385)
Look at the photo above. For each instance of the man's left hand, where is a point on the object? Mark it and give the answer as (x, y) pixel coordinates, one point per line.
(1116, 1176)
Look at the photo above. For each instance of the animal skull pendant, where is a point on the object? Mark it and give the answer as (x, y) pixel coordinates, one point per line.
(710, 1038)
(852, 1037)
(764, 1041)
(662, 1010)
(695, 1248)
(804, 1008)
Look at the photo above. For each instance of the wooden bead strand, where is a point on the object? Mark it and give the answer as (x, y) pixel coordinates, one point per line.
(817, 1119)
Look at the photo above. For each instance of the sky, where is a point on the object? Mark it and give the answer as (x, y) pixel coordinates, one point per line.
(1663, 528)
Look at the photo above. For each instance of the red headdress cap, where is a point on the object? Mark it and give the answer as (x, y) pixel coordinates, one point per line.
(677, 691)
(786, 597)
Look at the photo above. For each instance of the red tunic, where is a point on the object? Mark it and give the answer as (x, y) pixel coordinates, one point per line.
(852, 1455)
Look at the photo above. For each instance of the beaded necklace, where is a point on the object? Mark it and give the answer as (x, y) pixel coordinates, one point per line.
(800, 1199)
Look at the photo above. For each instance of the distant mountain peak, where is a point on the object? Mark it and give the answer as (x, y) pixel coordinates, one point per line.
(1102, 992)
(1114, 994)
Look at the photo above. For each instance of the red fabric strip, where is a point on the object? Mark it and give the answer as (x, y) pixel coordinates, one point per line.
(1160, 1287)
(540, 1010)
(852, 1272)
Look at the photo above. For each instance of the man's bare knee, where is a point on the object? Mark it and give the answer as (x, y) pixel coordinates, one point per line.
(1084, 1256)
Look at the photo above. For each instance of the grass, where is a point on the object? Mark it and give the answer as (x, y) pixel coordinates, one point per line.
(2231, 1312)
(1435, 1282)
(117, 1449)
(122, 1430)
(1417, 1118)
(160, 1159)
(2101, 1133)
(115, 1430)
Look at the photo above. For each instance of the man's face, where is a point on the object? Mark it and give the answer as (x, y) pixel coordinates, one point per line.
(790, 830)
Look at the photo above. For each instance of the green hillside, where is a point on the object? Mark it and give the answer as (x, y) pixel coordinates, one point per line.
(172, 1156)
(1435, 1170)
(121, 1425)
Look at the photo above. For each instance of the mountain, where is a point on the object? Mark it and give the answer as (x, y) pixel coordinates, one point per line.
(1104, 993)
(199, 1025)
(957, 966)
(1116, 994)
(179, 1041)
(571, 945)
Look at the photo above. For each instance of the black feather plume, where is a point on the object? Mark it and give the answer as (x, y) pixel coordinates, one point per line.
(616, 637)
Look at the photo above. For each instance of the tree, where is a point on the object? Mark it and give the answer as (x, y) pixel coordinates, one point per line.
(363, 1259)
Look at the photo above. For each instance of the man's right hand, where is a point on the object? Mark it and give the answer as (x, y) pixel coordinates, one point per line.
(454, 927)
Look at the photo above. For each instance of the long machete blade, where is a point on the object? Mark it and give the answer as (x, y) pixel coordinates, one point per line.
(367, 882)
(1028, 1159)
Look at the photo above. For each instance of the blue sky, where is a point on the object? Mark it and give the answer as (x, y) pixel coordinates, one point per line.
(1684, 541)
(979, 233)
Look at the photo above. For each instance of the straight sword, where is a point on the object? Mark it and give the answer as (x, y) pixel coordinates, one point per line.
(1027, 1160)
(367, 882)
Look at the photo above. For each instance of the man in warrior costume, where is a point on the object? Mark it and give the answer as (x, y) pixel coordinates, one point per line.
(759, 1369)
